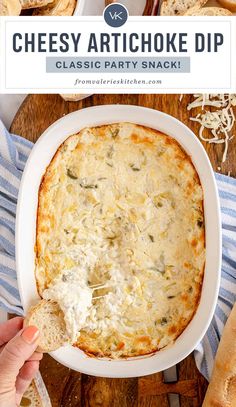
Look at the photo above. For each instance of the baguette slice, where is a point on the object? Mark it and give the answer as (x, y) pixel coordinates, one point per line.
(74, 97)
(26, 4)
(10, 7)
(230, 4)
(49, 319)
(208, 11)
(56, 8)
(179, 7)
(222, 388)
(31, 397)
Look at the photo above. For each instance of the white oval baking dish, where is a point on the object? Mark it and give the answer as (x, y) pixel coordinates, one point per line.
(40, 157)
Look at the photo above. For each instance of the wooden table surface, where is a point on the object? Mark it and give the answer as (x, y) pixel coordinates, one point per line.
(66, 387)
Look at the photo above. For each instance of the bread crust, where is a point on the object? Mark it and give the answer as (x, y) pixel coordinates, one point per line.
(222, 388)
(147, 140)
(229, 4)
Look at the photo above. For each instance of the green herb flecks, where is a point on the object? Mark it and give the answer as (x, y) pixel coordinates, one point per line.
(135, 167)
(200, 223)
(163, 321)
(114, 132)
(88, 186)
(110, 152)
(159, 265)
(158, 270)
(71, 174)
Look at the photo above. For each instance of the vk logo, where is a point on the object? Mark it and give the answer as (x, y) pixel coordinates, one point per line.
(115, 15)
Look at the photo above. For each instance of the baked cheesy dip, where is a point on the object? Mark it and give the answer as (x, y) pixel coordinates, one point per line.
(121, 205)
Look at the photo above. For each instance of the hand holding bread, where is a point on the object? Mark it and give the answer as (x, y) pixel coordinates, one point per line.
(49, 319)
(19, 360)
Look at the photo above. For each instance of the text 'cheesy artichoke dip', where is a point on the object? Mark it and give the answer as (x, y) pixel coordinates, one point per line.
(121, 205)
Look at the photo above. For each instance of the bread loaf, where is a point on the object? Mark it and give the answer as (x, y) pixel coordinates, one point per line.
(221, 391)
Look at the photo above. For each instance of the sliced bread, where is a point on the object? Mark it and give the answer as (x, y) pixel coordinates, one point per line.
(208, 11)
(31, 397)
(56, 8)
(179, 7)
(49, 319)
(74, 97)
(10, 7)
(26, 4)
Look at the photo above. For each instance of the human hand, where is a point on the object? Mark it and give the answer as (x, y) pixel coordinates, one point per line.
(19, 360)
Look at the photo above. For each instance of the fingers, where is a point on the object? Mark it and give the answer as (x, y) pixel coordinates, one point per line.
(37, 356)
(17, 351)
(25, 377)
(9, 329)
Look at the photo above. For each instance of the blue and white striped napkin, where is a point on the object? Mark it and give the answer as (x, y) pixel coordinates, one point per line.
(14, 151)
(206, 350)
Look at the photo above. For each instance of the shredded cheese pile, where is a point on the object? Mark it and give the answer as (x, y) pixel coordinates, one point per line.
(220, 122)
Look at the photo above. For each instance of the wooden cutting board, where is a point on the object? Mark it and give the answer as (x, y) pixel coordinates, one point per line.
(68, 388)
(39, 111)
